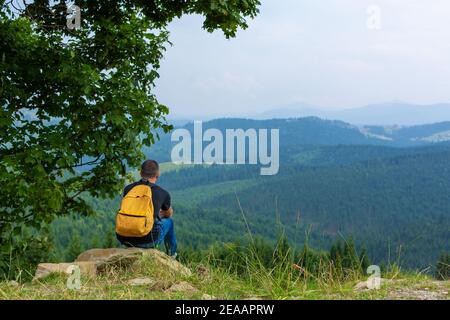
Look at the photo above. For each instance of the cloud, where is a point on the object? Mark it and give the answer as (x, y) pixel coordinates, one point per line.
(320, 52)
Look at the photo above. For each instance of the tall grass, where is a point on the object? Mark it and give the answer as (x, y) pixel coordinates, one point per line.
(280, 270)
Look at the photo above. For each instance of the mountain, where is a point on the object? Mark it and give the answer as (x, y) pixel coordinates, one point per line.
(296, 133)
(427, 133)
(386, 186)
(388, 204)
(395, 113)
(301, 110)
(393, 201)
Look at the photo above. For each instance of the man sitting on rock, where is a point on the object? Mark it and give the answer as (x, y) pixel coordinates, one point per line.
(133, 223)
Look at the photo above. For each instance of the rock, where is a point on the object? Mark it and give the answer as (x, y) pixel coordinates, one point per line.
(13, 283)
(159, 286)
(182, 286)
(141, 282)
(87, 268)
(415, 294)
(170, 264)
(253, 298)
(110, 258)
(361, 286)
(424, 290)
(208, 297)
(203, 272)
(95, 261)
(119, 257)
(99, 255)
(369, 285)
(404, 289)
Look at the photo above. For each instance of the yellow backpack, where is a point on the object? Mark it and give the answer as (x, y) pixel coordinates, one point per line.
(136, 215)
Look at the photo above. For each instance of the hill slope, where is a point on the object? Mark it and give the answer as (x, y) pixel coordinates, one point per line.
(385, 204)
(297, 133)
(386, 198)
(335, 180)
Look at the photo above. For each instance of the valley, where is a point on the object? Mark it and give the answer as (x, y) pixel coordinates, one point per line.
(391, 196)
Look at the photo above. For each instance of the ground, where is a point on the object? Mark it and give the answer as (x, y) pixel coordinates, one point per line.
(145, 280)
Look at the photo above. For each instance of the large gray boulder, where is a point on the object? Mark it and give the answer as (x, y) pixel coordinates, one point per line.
(87, 268)
(124, 257)
(96, 261)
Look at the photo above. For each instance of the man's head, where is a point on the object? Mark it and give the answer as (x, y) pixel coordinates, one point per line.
(150, 170)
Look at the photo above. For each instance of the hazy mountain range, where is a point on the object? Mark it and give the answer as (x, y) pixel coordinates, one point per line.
(395, 113)
(297, 133)
(392, 113)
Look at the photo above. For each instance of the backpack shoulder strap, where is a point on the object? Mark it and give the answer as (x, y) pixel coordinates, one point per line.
(150, 185)
(134, 184)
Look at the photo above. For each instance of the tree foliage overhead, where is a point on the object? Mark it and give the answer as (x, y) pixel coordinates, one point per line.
(83, 97)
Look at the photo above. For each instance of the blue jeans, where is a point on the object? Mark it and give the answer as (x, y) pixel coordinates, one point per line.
(166, 235)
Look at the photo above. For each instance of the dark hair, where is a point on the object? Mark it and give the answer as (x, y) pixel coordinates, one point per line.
(149, 169)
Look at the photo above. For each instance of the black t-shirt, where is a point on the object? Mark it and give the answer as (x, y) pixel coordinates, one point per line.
(161, 201)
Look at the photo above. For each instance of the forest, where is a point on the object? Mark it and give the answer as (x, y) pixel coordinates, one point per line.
(83, 105)
(392, 201)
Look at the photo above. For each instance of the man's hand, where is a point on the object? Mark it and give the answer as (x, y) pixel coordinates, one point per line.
(166, 213)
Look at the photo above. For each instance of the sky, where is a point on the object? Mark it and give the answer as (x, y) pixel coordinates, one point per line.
(334, 54)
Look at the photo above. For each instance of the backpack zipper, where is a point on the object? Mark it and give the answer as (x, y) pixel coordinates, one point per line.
(135, 216)
(131, 215)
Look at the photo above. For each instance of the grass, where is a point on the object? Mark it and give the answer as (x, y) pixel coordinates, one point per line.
(221, 285)
(282, 282)
(251, 271)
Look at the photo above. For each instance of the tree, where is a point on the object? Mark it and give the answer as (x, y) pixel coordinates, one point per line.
(350, 260)
(282, 253)
(75, 247)
(110, 240)
(364, 260)
(443, 267)
(77, 106)
(334, 252)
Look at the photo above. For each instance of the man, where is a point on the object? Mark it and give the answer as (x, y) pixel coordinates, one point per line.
(163, 228)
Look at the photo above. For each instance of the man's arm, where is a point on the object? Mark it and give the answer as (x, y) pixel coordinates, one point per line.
(166, 209)
(166, 213)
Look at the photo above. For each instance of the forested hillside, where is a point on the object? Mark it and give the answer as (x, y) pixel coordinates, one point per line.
(298, 134)
(392, 200)
(391, 204)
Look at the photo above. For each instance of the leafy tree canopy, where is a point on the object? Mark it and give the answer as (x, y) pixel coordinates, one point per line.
(82, 98)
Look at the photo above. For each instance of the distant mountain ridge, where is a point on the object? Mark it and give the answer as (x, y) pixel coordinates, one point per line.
(395, 113)
(300, 132)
